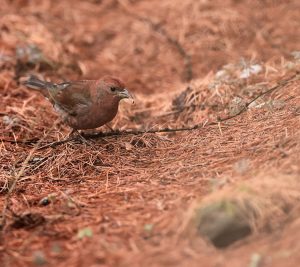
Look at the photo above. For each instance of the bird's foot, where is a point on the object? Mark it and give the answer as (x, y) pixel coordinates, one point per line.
(113, 131)
(109, 127)
(79, 136)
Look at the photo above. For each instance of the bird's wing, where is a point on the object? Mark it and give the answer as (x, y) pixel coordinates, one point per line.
(73, 97)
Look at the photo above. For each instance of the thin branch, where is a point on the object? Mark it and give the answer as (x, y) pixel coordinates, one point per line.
(163, 130)
(21, 142)
(293, 78)
(57, 143)
(193, 106)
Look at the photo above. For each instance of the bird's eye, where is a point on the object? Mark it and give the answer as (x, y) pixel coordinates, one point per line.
(113, 89)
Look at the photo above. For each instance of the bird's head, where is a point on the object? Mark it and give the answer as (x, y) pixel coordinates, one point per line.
(115, 88)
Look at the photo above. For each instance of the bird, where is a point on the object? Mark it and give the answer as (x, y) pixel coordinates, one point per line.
(83, 104)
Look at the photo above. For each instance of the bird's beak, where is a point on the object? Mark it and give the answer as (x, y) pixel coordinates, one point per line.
(125, 94)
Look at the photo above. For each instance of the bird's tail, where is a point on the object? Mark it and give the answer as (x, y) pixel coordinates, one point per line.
(34, 83)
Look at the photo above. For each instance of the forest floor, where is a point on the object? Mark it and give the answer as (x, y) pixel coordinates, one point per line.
(231, 67)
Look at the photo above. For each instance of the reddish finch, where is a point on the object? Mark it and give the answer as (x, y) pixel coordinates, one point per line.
(84, 104)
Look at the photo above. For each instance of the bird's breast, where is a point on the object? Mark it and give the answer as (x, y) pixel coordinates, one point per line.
(98, 115)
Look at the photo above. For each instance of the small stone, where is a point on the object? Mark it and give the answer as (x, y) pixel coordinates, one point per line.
(222, 223)
(242, 166)
(85, 232)
(255, 260)
(39, 258)
(148, 227)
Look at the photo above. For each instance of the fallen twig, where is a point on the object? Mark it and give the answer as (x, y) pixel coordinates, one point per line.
(163, 130)
(22, 142)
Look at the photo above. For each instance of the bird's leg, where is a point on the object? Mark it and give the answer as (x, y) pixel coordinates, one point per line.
(110, 128)
(72, 132)
(79, 136)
